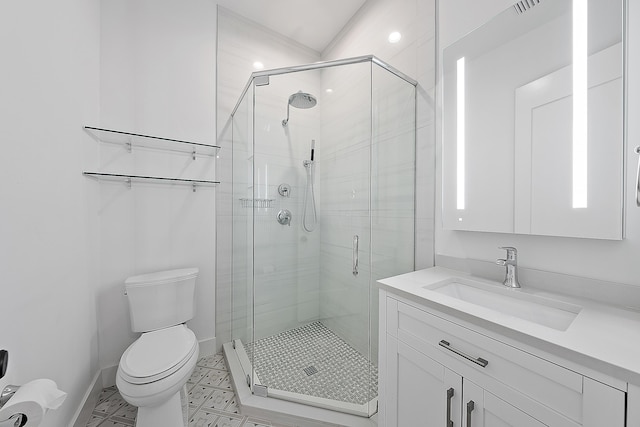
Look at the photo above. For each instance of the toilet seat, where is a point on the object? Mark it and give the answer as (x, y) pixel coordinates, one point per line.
(157, 355)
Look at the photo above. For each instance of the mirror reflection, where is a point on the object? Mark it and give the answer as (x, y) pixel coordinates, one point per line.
(533, 122)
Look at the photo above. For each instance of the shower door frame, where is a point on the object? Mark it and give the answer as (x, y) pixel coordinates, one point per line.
(261, 78)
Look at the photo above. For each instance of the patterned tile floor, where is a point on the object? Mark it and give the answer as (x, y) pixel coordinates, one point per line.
(212, 402)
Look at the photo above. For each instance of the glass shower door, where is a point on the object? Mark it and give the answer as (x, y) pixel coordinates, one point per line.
(312, 286)
(313, 232)
(242, 233)
(345, 213)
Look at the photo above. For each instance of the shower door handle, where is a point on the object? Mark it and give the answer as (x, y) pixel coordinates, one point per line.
(355, 255)
(638, 179)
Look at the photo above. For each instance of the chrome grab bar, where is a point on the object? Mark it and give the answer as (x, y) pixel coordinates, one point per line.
(478, 361)
(355, 254)
(7, 394)
(638, 179)
(17, 420)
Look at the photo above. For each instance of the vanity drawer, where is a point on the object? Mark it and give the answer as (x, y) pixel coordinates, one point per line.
(507, 369)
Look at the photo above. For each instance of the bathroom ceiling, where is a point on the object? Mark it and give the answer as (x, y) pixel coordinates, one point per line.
(312, 23)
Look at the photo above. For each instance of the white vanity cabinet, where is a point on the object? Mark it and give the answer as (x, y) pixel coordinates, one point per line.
(436, 372)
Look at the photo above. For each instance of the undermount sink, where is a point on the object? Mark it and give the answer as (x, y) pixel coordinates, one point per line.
(513, 302)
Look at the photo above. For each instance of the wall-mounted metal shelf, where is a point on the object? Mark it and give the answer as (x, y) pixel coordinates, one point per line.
(257, 203)
(131, 140)
(129, 179)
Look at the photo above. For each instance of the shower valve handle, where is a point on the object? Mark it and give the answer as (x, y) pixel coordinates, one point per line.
(284, 217)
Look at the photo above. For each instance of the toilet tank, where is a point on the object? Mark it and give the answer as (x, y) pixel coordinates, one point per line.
(162, 299)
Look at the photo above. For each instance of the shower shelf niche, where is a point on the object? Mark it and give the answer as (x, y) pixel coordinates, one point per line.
(131, 140)
(129, 179)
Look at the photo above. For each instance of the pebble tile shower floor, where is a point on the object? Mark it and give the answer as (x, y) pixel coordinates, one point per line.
(312, 360)
(212, 401)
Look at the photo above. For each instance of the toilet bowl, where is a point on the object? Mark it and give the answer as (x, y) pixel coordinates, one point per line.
(154, 370)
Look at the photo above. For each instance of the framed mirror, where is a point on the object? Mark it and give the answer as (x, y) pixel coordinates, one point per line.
(532, 124)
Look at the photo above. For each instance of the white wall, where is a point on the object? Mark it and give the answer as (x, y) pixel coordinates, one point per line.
(157, 77)
(605, 260)
(48, 229)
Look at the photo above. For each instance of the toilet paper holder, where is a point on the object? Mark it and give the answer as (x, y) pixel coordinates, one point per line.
(16, 420)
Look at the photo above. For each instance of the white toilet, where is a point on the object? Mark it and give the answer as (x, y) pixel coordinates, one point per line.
(155, 368)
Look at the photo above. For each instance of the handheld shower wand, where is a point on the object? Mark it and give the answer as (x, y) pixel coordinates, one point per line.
(309, 196)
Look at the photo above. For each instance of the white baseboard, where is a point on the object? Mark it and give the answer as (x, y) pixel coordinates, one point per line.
(82, 415)
(109, 376)
(207, 347)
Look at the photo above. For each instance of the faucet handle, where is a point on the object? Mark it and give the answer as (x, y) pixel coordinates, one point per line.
(512, 253)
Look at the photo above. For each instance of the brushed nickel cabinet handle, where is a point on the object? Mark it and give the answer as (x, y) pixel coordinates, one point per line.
(470, 407)
(477, 360)
(449, 397)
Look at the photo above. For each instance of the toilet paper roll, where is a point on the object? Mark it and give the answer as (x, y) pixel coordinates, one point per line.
(33, 399)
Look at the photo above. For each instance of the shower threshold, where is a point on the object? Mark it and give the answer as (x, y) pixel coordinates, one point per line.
(312, 367)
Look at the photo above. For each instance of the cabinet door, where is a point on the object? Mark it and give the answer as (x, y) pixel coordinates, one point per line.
(482, 409)
(420, 390)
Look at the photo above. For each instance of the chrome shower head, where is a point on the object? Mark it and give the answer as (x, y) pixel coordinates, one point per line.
(303, 100)
(300, 100)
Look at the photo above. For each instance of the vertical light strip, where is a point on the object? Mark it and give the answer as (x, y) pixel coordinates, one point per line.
(580, 89)
(460, 133)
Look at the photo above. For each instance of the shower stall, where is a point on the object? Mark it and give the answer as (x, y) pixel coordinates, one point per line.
(323, 183)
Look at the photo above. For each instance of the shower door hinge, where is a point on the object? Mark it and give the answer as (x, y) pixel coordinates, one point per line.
(261, 80)
(260, 390)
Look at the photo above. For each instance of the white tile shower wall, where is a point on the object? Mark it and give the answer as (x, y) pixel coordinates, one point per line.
(48, 231)
(157, 77)
(285, 257)
(614, 261)
(285, 297)
(414, 55)
(366, 34)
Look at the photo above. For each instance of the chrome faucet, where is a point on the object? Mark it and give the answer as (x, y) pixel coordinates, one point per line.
(511, 263)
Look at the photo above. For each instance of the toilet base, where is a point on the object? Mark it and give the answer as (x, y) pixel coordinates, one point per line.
(171, 413)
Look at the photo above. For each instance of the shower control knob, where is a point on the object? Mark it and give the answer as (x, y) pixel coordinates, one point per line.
(284, 217)
(284, 190)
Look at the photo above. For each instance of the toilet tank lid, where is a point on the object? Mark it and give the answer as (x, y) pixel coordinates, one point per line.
(162, 277)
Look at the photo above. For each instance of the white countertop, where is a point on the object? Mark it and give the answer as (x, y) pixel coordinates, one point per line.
(602, 337)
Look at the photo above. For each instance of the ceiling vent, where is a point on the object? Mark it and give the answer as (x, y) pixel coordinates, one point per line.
(524, 5)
